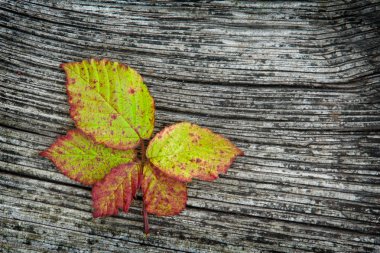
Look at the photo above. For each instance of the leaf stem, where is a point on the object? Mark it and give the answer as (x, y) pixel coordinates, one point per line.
(146, 223)
(145, 213)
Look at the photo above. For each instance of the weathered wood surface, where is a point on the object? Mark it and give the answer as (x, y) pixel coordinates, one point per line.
(295, 84)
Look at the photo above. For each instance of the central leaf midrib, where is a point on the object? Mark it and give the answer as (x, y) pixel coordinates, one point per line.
(122, 116)
(108, 80)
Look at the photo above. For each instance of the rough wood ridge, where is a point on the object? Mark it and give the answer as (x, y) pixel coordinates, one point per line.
(295, 84)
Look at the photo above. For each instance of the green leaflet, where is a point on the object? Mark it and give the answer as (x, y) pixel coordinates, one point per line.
(109, 102)
(185, 151)
(79, 158)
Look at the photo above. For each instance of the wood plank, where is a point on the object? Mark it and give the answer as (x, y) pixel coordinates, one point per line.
(295, 84)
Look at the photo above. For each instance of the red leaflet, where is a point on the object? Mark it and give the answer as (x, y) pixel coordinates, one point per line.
(163, 196)
(116, 190)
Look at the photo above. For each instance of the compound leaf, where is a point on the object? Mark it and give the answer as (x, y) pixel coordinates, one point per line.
(109, 102)
(163, 196)
(185, 151)
(117, 190)
(81, 159)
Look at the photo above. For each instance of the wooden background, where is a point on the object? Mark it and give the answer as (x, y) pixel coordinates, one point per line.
(295, 84)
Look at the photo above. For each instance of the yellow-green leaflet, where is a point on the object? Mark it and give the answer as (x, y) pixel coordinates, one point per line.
(109, 102)
(80, 158)
(185, 151)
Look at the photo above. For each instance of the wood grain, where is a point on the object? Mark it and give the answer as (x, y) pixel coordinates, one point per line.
(295, 84)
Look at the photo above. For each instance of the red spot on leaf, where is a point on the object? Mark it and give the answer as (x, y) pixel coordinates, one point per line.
(131, 91)
(79, 175)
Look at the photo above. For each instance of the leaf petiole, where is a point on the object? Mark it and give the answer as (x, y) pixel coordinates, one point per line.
(146, 223)
(145, 213)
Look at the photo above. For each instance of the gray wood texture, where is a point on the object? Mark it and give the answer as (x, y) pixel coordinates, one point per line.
(295, 84)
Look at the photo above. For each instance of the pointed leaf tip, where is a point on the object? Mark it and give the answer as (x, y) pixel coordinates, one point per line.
(81, 159)
(116, 191)
(185, 151)
(163, 196)
(110, 102)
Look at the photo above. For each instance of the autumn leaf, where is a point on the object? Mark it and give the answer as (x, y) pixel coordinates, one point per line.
(81, 159)
(163, 196)
(110, 102)
(111, 105)
(185, 151)
(117, 190)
